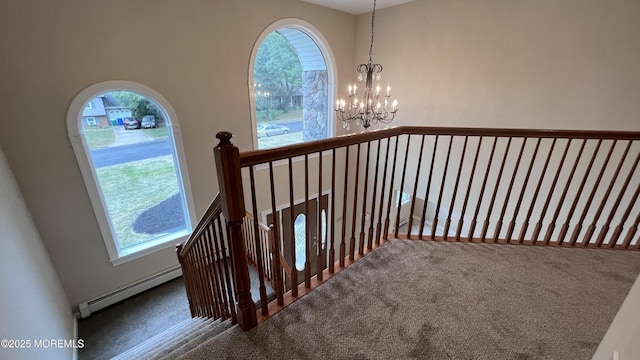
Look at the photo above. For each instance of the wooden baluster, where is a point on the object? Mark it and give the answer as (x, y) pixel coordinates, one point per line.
(415, 189)
(525, 224)
(278, 283)
(258, 245)
(219, 307)
(552, 224)
(352, 239)
(618, 230)
(485, 226)
(592, 227)
(364, 201)
(321, 260)
(401, 190)
(195, 283)
(472, 225)
(224, 269)
(344, 208)
(496, 235)
(512, 224)
(185, 275)
(632, 232)
(614, 209)
(379, 233)
(594, 189)
(565, 226)
(193, 260)
(214, 270)
(307, 227)
(444, 180)
(208, 269)
(428, 189)
(199, 283)
(274, 232)
(390, 199)
(373, 198)
(447, 222)
(536, 230)
(204, 280)
(292, 239)
(466, 197)
(332, 251)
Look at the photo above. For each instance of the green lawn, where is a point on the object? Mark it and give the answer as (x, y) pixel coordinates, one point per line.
(157, 133)
(131, 188)
(99, 138)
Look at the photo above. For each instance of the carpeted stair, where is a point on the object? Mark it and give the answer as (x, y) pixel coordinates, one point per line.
(176, 340)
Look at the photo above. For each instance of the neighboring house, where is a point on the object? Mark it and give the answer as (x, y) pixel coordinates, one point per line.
(100, 113)
(94, 113)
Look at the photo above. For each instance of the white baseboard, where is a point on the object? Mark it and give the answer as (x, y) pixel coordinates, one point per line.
(86, 308)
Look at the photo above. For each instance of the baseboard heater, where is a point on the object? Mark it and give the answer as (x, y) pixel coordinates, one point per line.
(86, 308)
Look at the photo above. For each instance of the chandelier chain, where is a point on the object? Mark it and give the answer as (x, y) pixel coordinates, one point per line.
(373, 18)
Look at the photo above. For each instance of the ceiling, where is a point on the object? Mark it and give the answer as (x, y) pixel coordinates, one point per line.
(356, 7)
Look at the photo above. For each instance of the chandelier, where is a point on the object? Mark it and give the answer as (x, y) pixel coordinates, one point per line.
(373, 107)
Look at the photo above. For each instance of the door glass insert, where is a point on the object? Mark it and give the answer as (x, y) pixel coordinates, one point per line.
(300, 228)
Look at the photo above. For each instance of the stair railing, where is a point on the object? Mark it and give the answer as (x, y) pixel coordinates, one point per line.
(505, 186)
(206, 267)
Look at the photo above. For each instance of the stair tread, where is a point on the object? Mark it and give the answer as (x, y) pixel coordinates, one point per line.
(164, 338)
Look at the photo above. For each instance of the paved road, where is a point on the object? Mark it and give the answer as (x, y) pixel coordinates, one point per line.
(144, 150)
(127, 153)
(294, 126)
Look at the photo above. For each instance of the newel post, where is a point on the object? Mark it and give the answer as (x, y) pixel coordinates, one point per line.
(227, 158)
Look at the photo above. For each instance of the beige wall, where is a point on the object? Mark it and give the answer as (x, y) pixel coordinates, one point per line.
(510, 63)
(541, 64)
(195, 53)
(31, 290)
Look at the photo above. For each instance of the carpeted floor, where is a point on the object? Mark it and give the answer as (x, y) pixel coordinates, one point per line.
(430, 300)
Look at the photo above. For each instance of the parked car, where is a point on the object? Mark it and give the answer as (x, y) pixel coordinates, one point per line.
(131, 123)
(149, 122)
(271, 129)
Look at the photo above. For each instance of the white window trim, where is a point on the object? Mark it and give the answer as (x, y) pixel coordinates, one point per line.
(74, 119)
(323, 45)
(91, 119)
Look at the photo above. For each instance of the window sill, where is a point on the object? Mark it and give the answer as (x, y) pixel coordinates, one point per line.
(150, 247)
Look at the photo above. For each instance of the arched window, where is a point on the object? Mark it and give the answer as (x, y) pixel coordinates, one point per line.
(291, 82)
(127, 142)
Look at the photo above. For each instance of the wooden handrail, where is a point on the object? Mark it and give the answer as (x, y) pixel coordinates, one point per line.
(499, 173)
(256, 157)
(214, 209)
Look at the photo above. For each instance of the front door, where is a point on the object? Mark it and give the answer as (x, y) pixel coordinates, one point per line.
(304, 238)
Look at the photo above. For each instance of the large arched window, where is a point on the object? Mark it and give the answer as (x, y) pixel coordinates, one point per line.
(291, 82)
(127, 142)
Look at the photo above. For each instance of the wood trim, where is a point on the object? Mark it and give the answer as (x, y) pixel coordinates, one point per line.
(261, 156)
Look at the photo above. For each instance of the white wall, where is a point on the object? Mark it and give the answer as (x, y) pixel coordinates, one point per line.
(624, 332)
(195, 53)
(33, 305)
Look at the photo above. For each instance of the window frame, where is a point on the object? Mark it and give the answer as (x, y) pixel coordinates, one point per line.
(329, 59)
(119, 256)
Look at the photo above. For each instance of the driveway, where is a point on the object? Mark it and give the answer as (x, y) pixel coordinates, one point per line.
(127, 137)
